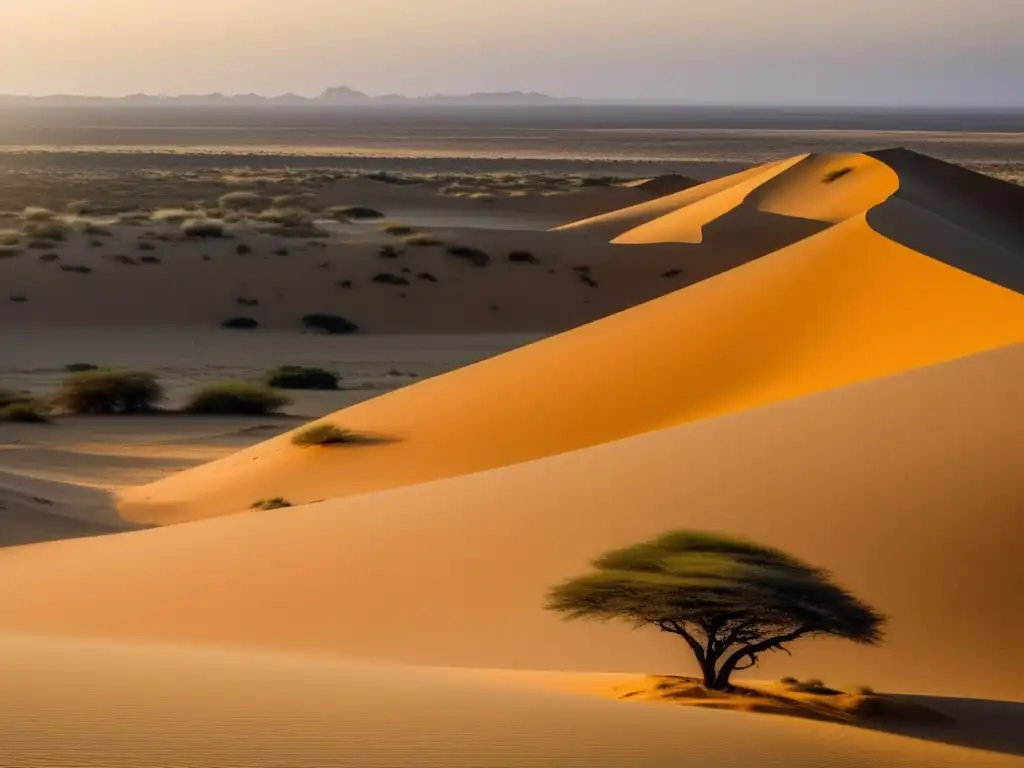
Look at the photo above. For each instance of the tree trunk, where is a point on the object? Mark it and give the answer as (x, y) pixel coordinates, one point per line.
(707, 668)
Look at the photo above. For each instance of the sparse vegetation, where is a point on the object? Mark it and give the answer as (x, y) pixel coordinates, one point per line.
(474, 256)
(24, 412)
(35, 213)
(18, 298)
(107, 391)
(264, 505)
(730, 600)
(426, 276)
(240, 323)
(243, 201)
(56, 231)
(79, 367)
(398, 230)
(355, 212)
(389, 252)
(345, 283)
(387, 278)
(423, 241)
(149, 259)
(121, 258)
(328, 323)
(80, 269)
(324, 434)
(145, 245)
(173, 215)
(245, 301)
(243, 250)
(523, 257)
(49, 257)
(7, 252)
(672, 273)
(236, 398)
(836, 174)
(300, 377)
(200, 228)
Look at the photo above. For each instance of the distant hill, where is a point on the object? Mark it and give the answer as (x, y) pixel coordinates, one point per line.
(339, 96)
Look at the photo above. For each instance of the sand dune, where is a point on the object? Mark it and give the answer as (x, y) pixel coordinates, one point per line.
(33, 510)
(845, 305)
(206, 708)
(905, 487)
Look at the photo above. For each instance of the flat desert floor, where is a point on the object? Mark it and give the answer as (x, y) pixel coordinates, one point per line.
(819, 351)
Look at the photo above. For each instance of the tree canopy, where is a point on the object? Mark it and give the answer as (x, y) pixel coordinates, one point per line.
(729, 599)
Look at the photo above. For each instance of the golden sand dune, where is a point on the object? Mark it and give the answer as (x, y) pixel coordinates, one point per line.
(97, 705)
(907, 488)
(843, 306)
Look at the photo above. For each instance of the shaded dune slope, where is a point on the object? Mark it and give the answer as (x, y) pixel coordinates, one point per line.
(843, 306)
(906, 487)
(164, 706)
(33, 510)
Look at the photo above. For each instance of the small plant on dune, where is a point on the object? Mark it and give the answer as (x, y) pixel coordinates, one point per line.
(121, 258)
(294, 217)
(243, 201)
(474, 256)
(240, 323)
(305, 231)
(108, 391)
(80, 208)
(354, 212)
(9, 238)
(236, 398)
(89, 228)
(36, 213)
(523, 257)
(398, 230)
(203, 228)
(245, 301)
(149, 260)
(320, 321)
(835, 175)
(423, 241)
(264, 505)
(24, 412)
(730, 600)
(387, 278)
(324, 434)
(788, 681)
(300, 377)
(864, 690)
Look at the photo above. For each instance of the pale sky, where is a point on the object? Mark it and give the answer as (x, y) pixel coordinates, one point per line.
(903, 52)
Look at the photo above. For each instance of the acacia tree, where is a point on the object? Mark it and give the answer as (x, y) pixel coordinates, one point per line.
(730, 600)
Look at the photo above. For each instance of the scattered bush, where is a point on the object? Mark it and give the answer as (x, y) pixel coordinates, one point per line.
(41, 245)
(427, 276)
(203, 228)
(48, 257)
(243, 323)
(305, 200)
(35, 213)
(788, 681)
(80, 269)
(149, 259)
(7, 252)
(236, 398)
(247, 302)
(523, 257)
(24, 412)
(586, 279)
(18, 298)
(835, 175)
(57, 231)
(79, 367)
(123, 259)
(267, 504)
(282, 251)
(398, 230)
(354, 212)
(423, 241)
(474, 256)
(106, 391)
(324, 434)
(96, 230)
(287, 216)
(145, 245)
(329, 323)
(389, 252)
(95, 244)
(386, 278)
(243, 201)
(345, 283)
(864, 690)
(174, 215)
(299, 377)
(672, 273)
(243, 250)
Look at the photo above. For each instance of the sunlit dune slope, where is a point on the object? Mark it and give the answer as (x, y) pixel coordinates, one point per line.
(95, 705)
(843, 306)
(908, 488)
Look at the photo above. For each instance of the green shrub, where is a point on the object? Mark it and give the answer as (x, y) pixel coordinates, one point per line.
(324, 434)
(24, 412)
(241, 323)
(203, 228)
(474, 256)
(243, 201)
(266, 504)
(329, 323)
(299, 377)
(236, 398)
(105, 391)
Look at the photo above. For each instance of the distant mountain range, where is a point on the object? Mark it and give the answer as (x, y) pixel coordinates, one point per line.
(340, 96)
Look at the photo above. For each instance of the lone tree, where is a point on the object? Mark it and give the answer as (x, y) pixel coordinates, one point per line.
(730, 600)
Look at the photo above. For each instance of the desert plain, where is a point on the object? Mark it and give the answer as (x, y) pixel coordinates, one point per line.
(809, 342)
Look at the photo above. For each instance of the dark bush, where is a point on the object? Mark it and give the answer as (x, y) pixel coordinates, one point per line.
(106, 391)
(236, 398)
(389, 252)
(474, 256)
(355, 212)
(523, 257)
(423, 241)
(324, 434)
(299, 377)
(427, 276)
(329, 323)
(345, 283)
(80, 269)
(672, 273)
(268, 504)
(243, 250)
(386, 278)
(80, 367)
(145, 245)
(398, 230)
(24, 412)
(243, 323)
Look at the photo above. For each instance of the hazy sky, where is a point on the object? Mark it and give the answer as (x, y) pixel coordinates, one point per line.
(739, 51)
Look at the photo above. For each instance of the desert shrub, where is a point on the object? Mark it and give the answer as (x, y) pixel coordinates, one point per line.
(174, 215)
(243, 201)
(324, 434)
(389, 252)
(7, 252)
(96, 230)
(345, 283)
(133, 218)
(149, 259)
(10, 238)
(426, 276)
(79, 269)
(95, 244)
(523, 257)
(398, 230)
(121, 258)
(79, 367)
(35, 213)
(423, 241)
(306, 200)
(236, 398)
(243, 250)
(281, 251)
(329, 323)
(864, 690)
(56, 231)
(145, 245)
(79, 207)
(300, 377)
(49, 257)
(18, 298)
(288, 216)
(245, 301)
(474, 256)
(354, 212)
(24, 412)
(7, 397)
(299, 231)
(835, 175)
(105, 391)
(586, 279)
(387, 278)
(243, 323)
(788, 680)
(267, 504)
(672, 273)
(203, 228)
